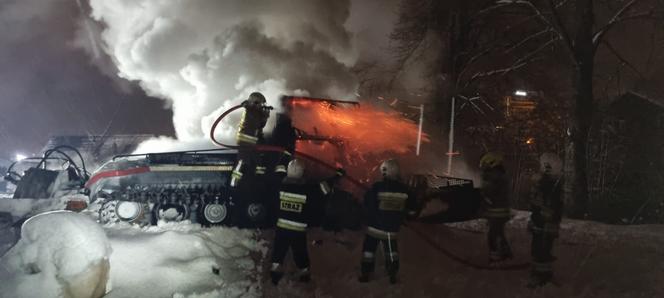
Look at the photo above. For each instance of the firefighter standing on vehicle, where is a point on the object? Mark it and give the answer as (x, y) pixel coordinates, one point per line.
(547, 207)
(249, 175)
(249, 134)
(386, 204)
(298, 202)
(495, 195)
(284, 135)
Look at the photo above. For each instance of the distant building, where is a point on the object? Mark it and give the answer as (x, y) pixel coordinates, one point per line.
(626, 157)
(98, 149)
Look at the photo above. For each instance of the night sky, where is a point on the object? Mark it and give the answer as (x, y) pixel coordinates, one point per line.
(48, 86)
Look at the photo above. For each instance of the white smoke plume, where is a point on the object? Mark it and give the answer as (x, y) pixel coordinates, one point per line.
(204, 56)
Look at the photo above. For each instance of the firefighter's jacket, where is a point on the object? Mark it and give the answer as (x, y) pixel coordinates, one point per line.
(250, 130)
(299, 203)
(387, 204)
(546, 204)
(495, 193)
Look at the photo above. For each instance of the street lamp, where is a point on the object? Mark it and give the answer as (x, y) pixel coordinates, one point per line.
(520, 93)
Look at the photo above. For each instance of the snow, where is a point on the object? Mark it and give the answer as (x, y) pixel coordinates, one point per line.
(184, 260)
(57, 251)
(172, 259)
(25, 207)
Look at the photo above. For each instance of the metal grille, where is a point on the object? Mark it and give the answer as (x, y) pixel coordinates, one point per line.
(436, 181)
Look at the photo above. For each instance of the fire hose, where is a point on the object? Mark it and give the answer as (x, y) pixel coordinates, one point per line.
(271, 148)
(465, 262)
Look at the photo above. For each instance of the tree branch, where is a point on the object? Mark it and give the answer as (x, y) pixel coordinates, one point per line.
(558, 27)
(527, 39)
(562, 31)
(523, 61)
(620, 57)
(617, 18)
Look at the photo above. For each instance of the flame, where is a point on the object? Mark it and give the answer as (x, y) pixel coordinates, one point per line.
(359, 136)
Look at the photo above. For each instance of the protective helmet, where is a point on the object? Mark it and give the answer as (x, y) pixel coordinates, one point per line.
(551, 164)
(295, 169)
(390, 169)
(491, 160)
(256, 99)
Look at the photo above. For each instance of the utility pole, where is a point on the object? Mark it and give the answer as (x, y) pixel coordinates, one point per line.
(419, 130)
(450, 144)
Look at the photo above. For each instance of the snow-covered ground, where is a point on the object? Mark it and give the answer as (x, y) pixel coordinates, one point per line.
(168, 260)
(60, 253)
(185, 260)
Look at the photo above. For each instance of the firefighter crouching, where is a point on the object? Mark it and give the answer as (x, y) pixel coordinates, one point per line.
(387, 203)
(495, 194)
(547, 206)
(297, 204)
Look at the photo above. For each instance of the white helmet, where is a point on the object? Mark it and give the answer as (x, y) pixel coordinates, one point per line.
(295, 169)
(551, 164)
(390, 169)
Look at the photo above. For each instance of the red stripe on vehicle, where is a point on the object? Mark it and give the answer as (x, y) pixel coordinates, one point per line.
(117, 173)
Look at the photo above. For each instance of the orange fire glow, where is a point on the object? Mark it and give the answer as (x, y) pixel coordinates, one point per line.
(361, 135)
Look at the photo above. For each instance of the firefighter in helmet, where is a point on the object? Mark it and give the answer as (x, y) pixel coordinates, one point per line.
(250, 133)
(496, 205)
(248, 177)
(283, 136)
(546, 205)
(299, 202)
(386, 204)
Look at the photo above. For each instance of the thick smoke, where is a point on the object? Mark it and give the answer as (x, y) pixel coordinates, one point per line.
(205, 56)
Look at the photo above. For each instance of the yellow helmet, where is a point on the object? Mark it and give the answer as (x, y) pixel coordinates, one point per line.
(491, 160)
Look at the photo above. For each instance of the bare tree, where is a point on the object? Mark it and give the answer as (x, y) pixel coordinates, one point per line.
(578, 32)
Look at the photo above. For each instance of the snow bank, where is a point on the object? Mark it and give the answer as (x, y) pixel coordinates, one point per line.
(59, 254)
(26, 207)
(184, 260)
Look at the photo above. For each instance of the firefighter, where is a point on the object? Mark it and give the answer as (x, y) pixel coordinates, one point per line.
(248, 177)
(547, 206)
(298, 203)
(386, 205)
(496, 205)
(283, 136)
(249, 134)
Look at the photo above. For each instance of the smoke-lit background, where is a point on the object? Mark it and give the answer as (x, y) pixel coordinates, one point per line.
(168, 67)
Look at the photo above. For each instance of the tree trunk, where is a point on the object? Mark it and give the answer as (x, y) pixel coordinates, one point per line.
(584, 52)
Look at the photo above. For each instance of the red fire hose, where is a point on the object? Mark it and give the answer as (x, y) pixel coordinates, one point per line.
(269, 148)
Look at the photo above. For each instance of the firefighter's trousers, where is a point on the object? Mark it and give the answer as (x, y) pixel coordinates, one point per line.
(390, 250)
(296, 241)
(542, 259)
(499, 248)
